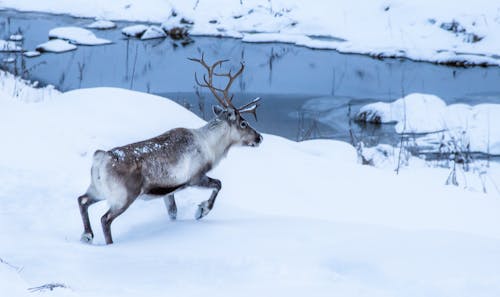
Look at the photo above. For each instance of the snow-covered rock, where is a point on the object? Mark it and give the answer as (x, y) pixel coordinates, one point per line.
(32, 54)
(153, 32)
(55, 46)
(102, 25)
(415, 113)
(77, 35)
(478, 125)
(134, 30)
(9, 46)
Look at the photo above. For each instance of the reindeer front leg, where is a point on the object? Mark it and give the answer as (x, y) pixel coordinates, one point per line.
(171, 206)
(205, 207)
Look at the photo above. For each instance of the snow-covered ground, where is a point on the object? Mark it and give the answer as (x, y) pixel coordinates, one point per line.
(476, 126)
(292, 218)
(463, 32)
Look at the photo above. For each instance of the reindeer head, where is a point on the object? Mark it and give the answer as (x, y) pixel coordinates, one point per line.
(240, 130)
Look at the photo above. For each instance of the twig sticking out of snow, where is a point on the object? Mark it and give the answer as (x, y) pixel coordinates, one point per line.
(49, 287)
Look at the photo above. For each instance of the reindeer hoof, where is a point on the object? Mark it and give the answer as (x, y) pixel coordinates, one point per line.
(87, 238)
(172, 216)
(202, 210)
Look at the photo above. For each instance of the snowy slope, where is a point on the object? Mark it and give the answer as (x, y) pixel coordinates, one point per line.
(464, 32)
(291, 219)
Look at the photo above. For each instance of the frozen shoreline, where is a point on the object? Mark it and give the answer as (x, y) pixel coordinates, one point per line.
(444, 33)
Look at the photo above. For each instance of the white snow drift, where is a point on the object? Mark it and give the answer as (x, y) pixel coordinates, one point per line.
(477, 125)
(292, 218)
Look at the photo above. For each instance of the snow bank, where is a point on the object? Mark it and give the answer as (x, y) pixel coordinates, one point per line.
(478, 126)
(77, 35)
(102, 25)
(14, 89)
(291, 219)
(447, 32)
(55, 46)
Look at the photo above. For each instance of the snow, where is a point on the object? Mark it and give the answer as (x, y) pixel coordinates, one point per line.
(477, 125)
(102, 25)
(154, 32)
(14, 89)
(55, 46)
(16, 37)
(134, 30)
(32, 54)
(77, 36)
(462, 33)
(9, 60)
(9, 46)
(291, 219)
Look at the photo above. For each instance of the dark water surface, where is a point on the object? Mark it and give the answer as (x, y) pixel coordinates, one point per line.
(306, 93)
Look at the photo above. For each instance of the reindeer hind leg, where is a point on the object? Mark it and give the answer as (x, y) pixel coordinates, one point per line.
(108, 218)
(84, 202)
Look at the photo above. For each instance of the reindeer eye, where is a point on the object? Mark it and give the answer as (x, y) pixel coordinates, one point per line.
(243, 124)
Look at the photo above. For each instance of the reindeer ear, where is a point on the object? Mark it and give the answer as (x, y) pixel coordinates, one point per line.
(217, 110)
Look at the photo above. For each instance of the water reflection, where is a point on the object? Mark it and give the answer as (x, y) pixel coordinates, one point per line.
(306, 93)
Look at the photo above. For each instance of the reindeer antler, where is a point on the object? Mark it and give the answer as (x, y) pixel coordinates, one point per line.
(250, 107)
(222, 95)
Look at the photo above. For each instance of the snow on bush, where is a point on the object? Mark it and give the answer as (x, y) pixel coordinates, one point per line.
(9, 46)
(16, 37)
(14, 88)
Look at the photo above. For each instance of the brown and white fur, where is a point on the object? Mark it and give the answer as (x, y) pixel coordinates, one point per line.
(162, 165)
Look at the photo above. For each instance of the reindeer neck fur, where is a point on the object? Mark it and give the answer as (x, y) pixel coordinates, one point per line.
(217, 137)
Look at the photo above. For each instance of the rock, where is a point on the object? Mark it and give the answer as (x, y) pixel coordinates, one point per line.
(31, 54)
(153, 32)
(135, 30)
(55, 46)
(77, 35)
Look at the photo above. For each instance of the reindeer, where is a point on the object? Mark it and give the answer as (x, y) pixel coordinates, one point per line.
(174, 160)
